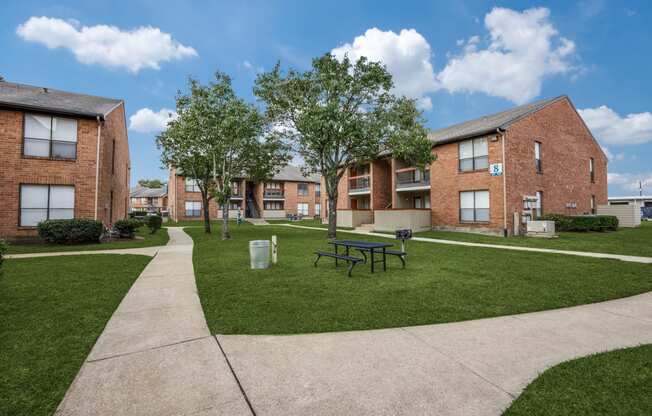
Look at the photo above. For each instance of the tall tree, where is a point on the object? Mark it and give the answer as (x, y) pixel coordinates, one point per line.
(151, 183)
(339, 114)
(217, 138)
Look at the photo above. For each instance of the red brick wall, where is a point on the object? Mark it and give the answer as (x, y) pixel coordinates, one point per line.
(14, 170)
(566, 147)
(381, 183)
(114, 169)
(446, 183)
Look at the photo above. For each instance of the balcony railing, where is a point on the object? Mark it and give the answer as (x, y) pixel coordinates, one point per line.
(412, 178)
(273, 193)
(359, 184)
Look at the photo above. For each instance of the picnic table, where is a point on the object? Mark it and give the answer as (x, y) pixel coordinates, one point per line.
(363, 247)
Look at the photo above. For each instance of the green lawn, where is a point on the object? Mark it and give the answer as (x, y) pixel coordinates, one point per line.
(612, 383)
(53, 309)
(160, 238)
(193, 223)
(442, 283)
(632, 241)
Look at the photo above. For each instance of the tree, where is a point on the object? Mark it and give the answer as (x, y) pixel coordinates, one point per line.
(2, 79)
(151, 183)
(217, 138)
(339, 114)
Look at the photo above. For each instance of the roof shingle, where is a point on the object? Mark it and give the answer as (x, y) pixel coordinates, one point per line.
(29, 97)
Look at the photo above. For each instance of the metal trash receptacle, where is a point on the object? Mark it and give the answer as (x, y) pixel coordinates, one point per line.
(259, 254)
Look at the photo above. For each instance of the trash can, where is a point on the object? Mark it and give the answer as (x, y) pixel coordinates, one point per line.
(259, 254)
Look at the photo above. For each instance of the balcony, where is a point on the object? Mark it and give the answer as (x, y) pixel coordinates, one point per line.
(273, 194)
(412, 179)
(359, 185)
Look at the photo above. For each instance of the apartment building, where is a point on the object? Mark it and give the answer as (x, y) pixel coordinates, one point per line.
(62, 155)
(288, 193)
(492, 174)
(149, 200)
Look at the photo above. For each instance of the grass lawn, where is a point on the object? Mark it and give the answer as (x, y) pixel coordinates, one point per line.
(442, 283)
(193, 223)
(160, 238)
(632, 241)
(53, 309)
(612, 383)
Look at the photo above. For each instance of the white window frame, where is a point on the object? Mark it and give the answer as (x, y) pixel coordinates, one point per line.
(318, 209)
(476, 196)
(301, 187)
(537, 157)
(53, 140)
(475, 158)
(193, 209)
(273, 205)
(301, 210)
(191, 185)
(52, 208)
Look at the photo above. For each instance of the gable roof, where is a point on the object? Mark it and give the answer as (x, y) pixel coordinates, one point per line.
(28, 97)
(489, 123)
(143, 192)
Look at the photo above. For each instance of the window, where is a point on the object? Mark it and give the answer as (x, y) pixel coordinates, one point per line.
(193, 208)
(537, 157)
(273, 185)
(302, 208)
(538, 208)
(317, 190)
(46, 136)
(474, 206)
(318, 209)
(191, 185)
(302, 189)
(474, 155)
(592, 170)
(273, 205)
(235, 189)
(592, 204)
(233, 206)
(45, 202)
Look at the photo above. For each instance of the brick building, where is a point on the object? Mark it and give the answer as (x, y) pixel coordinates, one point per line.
(491, 175)
(150, 200)
(289, 192)
(62, 155)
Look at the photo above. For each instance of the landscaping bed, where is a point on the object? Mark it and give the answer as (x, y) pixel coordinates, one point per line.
(442, 283)
(612, 383)
(53, 309)
(629, 241)
(143, 238)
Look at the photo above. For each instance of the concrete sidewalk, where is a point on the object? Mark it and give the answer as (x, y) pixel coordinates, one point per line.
(623, 257)
(156, 356)
(466, 368)
(144, 251)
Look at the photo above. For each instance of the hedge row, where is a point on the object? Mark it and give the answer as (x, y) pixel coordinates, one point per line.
(583, 222)
(70, 231)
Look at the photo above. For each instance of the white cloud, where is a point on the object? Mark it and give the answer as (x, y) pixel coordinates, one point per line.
(143, 47)
(630, 181)
(609, 127)
(148, 121)
(524, 48)
(407, 56)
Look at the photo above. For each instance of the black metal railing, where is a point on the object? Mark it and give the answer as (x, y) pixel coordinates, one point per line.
(412, 178)
(361, 183)
(273, 193)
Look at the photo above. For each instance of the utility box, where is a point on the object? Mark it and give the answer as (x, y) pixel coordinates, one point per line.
(536, 228)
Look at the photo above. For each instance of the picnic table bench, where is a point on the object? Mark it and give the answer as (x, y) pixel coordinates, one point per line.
(364, 247)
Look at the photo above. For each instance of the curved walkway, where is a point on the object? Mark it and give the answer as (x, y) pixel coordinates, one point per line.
(623, 257)
(144, 251)
(156, 357)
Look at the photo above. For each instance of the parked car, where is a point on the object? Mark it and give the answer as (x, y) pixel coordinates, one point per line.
(646, 213)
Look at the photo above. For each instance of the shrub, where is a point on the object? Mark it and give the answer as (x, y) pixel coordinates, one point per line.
(3, 250)
(72, 231)
(154, 222)
(583, 222)
(127, 227)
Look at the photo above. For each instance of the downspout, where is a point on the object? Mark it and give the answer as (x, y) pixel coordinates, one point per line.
(97, 166)
(502, 134)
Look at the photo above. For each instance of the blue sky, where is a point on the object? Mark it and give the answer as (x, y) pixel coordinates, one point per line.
(459, 59)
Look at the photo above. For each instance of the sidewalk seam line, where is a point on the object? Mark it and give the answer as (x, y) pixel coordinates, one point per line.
(486, 380)
(124, 354)
(235, 376)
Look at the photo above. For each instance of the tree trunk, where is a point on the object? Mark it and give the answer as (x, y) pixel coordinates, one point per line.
(207, 216)
(332, 215)
(225, 220)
